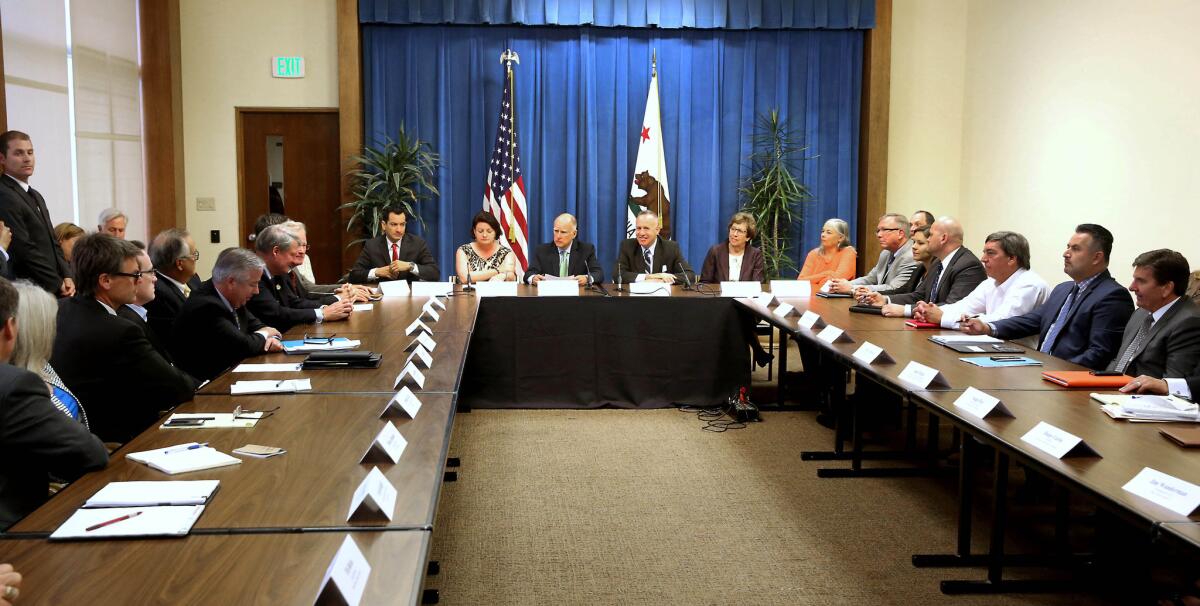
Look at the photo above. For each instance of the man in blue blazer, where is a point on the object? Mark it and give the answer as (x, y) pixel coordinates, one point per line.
(579, 258)
(1084, 318)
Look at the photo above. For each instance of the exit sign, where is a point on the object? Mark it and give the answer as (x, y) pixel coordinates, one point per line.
(287, 67)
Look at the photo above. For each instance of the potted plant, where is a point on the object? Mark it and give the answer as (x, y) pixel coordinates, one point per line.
(400, 172)
(772, 192)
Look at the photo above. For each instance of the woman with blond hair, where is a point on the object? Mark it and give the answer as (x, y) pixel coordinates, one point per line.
(37, 315)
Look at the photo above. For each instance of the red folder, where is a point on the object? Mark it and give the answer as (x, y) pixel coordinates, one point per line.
(916, 324)
(1083, 378)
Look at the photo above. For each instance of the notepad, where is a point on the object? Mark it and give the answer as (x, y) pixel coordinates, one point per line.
(986, 362)
(174, 521)
(267, 368)
(301, 346)
(153, 494)
(182, 461)
(286, 386)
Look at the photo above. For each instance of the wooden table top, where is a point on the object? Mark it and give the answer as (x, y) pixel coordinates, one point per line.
(1189, 532)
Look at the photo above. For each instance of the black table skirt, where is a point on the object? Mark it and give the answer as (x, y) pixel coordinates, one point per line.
(590, 352)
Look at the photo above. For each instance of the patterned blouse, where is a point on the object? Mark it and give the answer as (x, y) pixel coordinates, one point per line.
(61, 397)
(478, 263)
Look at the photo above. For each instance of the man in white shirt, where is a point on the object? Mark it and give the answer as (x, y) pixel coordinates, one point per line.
(1012, 289)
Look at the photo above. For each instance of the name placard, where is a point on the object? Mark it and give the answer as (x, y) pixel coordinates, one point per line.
(870, 353)
(411, 375)
(557, 288)
(923, 376)
(784, 310)
(765, 299)
(404, 403)
(785, 289)
(421, 356)
(496, 289)
(374, 499)
(833, 334)
(417, 325)
(394, 288)
(1056, 442)
(424, 340)
(428, 312)
(431, 289)
(346, 577)
(741, 289)
(1164, 490)
(980, 404)
(811, 320)
(389, 445)
(435, 302)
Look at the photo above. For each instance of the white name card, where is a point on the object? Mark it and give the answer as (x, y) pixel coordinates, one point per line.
(1056, 442)
(389, 443)
(429, 312)
(791, 288)
(394, 288)
(980, 404)
(765, 299)
(923, 376)
(1179, 496)
(435, 302)
(833, 334)
(869, 353)
(496, 289)
(784, 310)
(810, 320)
(346, 577)
(424, 340)
(557, 288)
(421, 356)
(431, 289)
(411, 375)
(417, 325)
(741, 289)
(374, 499)
(404, 402)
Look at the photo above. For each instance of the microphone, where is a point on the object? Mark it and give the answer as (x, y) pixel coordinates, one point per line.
(619, 287)
(687, 283)
(594, 283)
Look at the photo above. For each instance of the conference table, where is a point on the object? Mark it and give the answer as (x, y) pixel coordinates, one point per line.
(274, 524)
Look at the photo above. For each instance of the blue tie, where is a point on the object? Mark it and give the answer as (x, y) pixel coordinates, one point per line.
(1057, 326)
(646, 255)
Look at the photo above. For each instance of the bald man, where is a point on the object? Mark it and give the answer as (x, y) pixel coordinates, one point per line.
(566, 257)
(956, 271)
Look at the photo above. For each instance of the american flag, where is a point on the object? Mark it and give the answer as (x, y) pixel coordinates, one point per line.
(504, 195)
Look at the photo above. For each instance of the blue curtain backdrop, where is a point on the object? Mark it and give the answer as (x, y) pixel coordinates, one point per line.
(580, 95)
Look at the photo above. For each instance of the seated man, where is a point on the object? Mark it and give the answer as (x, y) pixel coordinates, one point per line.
(1162, 338)
(272, 304)
(136, 311)
(303, 288)
(112, 222)
(214, 331)
(1083, 319)
(174, 256)
(105, 359)
(37, 439)
(565, 257)
(955, 273)
(1012, 289)
(649, 258)
(895, 263)
(394, 254)
(920, 254)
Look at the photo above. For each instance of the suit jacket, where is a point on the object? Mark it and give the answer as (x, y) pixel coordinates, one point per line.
(666, 254)
(208, 338)
(162, 311)
(375, 253)
(160, 345)
(5, 266)
(964, 273)
(581, 262)
(297, 292)
(1171, 349)
(37, 440)
(275, 308)
(1092, 329)
(889, 275)
(716, 265)
(915, 279)
(108, 362)
(36, 255)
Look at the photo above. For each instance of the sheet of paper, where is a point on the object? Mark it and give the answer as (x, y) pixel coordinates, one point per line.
(267, 368)
(184, 460)
(259, 452)
(149, 494)
(150, 522)
(394, 288)
(363, 306)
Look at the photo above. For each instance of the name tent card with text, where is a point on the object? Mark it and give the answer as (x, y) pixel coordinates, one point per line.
(811, 320)
(791, 288)
(431, 289)
(833, 334)
(404, 402)
(374, 499)
(765, 299)
(557, 288)
(784, 310)
(421, 355)
(869, 353)
(496, 289)
(923, 376)
(1056, 442)
(980, 404)
(417, 325)
(1164, 490)
(394, 288)
(388, 445)
(346, 577)
(410, 375)
(429, 312)
(740, 289)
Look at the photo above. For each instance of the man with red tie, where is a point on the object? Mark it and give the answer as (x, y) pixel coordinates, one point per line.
(394, 254)
(34, 254)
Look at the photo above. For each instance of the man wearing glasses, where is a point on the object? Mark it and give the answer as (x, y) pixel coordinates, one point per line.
(105, 359)
(174, 256)
(895, 260)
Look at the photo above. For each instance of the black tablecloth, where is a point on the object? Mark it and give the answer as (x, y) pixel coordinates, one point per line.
(589, 352)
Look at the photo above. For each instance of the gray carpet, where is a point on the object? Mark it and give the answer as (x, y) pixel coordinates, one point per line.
(642, 507)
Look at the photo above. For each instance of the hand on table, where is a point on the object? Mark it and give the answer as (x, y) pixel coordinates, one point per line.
(1146, 384)
(975, 326)
(10, 585)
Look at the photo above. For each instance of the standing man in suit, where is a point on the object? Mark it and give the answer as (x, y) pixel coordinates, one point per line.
(1162, 338)
(174, 256)
(272, 304)
(649, 258)
(955, 273)
(215, 331)
(1084, 318)
(105, 359)
(895, 263)
(395, 254)
(35, 253)
(565, 257)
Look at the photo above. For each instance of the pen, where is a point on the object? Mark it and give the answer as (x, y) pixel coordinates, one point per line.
(112, 521)
(184, 447)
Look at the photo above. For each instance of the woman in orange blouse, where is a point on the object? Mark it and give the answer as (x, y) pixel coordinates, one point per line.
(834, 258)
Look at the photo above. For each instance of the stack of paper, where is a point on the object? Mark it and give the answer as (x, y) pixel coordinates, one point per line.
(183, 458)
(1148, 408)
(171, 492)
(172, 521)
(310, 345)
(286, 386)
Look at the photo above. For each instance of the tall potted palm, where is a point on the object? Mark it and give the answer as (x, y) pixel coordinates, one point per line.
(773, 192)
(400, 172)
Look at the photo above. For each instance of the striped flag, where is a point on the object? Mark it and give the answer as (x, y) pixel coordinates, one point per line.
(504, 195)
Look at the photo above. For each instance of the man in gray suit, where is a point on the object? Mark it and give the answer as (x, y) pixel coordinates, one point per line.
(895, 261)
(1162, 338)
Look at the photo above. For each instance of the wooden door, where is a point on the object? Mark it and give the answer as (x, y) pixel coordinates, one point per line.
(288, 161)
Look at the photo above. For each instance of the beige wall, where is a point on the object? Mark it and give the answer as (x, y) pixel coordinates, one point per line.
(227, 47)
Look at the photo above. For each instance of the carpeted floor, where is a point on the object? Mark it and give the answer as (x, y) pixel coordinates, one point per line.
(642, 507)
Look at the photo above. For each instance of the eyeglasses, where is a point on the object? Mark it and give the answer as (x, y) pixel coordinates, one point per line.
(195, 256)
(314, 340)
(883, 229)
(737, 230)
(137, 275)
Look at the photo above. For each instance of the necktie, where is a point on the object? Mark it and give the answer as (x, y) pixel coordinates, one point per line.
(187, 291)
(937, 277)
(649, 263)
(40, 205)
(562, 263)
(1127, 356)
(1057, 326)
(395, 251)
(887, 269)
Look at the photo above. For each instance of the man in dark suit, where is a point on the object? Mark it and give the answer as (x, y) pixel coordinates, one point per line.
(36, 440)
(648, 258)
(956, 271)
(395, 255)
(35, 254)
(304, 291)
(174, 256)
(565, 257)
(5, 242)
(1162, 338)
(105, 359)
(136, 311)
(1083, 319)
(276, 305)
(215, 331)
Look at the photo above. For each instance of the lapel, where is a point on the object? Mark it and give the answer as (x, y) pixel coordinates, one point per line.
(31, 199)
(169, 287)
(659, 252)
(1159, 325)
(1078, 303)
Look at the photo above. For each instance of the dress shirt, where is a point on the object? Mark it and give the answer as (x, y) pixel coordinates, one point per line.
(106, 307)
(177, 284)
(1082, 286)
(137, 309)
(642, 276)
(735, 264)
(4, 252)
(1020, 294)
(390, 244)
(24, 185)
(908, 309)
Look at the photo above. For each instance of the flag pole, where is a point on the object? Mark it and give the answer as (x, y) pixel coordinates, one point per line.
(657, 182)
(512, 138)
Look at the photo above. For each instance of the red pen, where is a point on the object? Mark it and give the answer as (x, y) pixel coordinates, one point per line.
(112, 521)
